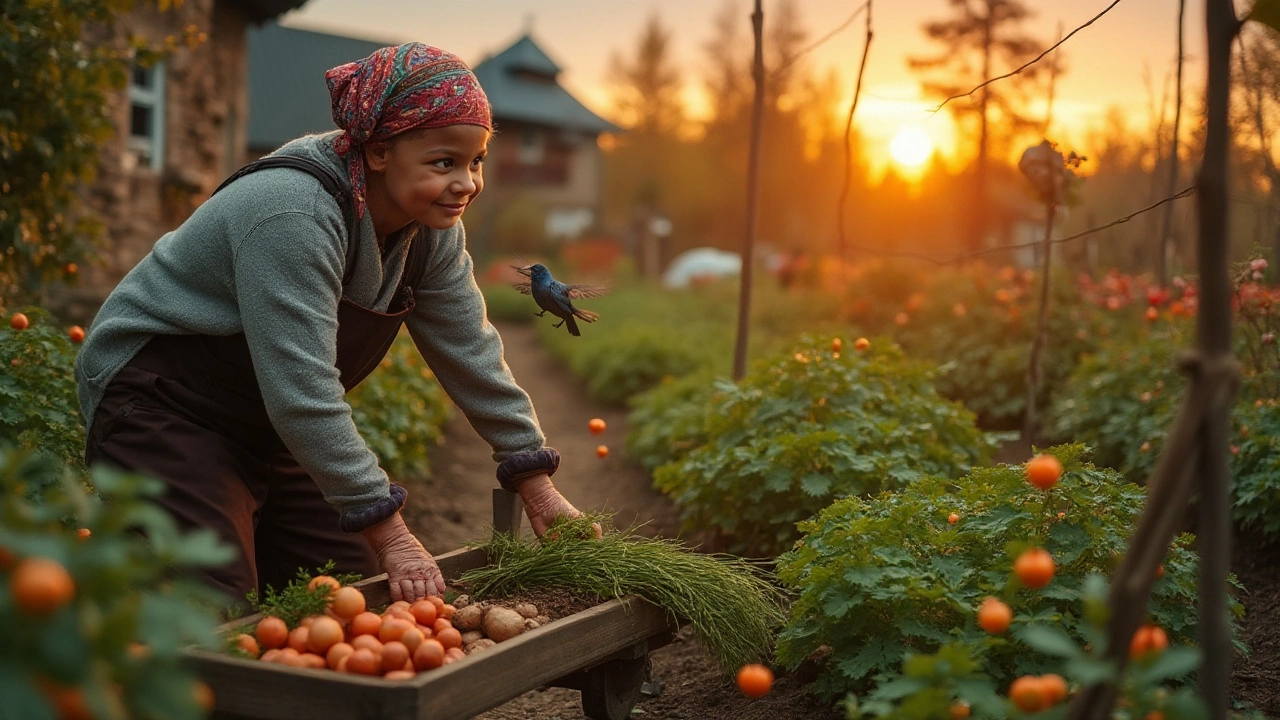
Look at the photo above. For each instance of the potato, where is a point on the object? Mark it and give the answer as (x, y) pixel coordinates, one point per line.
(542, 620)
(526, 610)
(477, 646)
(470, 637)
(502, 624)
(461, 601)
(468, 618)
(530, 624)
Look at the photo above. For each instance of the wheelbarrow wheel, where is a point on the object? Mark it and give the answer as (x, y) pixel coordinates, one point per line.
(611, 690)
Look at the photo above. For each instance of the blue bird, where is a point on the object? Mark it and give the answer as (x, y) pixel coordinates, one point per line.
(556, 297)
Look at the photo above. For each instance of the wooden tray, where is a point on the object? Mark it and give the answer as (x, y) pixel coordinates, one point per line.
(602, 651)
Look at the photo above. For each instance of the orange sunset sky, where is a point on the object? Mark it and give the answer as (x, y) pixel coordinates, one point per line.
(1107, 62)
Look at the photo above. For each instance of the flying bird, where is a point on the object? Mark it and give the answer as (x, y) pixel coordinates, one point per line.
(556, 297)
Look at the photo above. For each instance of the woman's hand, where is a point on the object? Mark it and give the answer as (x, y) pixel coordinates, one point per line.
(543, 504)
(411, 571)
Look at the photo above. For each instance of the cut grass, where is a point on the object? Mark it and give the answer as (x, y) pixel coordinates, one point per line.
(731, 604)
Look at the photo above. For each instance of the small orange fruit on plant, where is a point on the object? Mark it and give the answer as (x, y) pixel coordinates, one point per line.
(994, 616)
(1043, 471)
(755, 680)
(19, 322)
(861, 344)
(602, 451)
(84, 533)
(1028, 694)
(327, 581)
(1054, 687)
(836, 344)
(1034, 568)
(1148, 641)
(76, 333)
(596, 426)
(953, 518)
(959, 710)
(40, 586)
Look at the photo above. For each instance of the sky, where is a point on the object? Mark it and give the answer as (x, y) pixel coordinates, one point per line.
(1109, 64)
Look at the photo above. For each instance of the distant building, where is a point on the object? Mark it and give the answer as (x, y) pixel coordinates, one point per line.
(180, 129)
(543, 176)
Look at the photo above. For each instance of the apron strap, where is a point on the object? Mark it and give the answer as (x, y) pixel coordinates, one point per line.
(332, 185)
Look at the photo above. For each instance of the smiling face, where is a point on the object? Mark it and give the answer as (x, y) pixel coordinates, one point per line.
(429, 176)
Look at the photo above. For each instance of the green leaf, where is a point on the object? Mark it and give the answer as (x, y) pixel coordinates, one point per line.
(21, 699)
(1050, 640)
(815, 484)
(1172, 663)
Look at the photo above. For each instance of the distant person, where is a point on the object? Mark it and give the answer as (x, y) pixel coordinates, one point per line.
(219, 363)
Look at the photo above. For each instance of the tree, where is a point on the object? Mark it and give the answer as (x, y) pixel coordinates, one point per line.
(52, 123)
(647, 88)
(982, 39)
(1257, 113)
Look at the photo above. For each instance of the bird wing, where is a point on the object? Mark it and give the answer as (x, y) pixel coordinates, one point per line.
(577, 292)
(525, 288)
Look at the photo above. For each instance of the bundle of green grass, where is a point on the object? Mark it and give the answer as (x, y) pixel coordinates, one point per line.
(731, 604)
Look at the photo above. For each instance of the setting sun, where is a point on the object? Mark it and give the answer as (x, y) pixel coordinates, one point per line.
(910, 147)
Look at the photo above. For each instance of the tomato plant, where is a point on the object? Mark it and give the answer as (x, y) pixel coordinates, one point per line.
(38, 405)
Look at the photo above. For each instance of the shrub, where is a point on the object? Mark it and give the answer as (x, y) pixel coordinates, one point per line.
(879, 578)
(400, 410)
(115, 644)
(38, 405)
(667, 421)
(806, 428)
(502, 302)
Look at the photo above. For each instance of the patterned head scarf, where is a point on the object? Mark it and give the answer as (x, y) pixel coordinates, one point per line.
(396, 89)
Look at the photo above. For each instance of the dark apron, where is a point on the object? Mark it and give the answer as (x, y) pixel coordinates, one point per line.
(187, 409)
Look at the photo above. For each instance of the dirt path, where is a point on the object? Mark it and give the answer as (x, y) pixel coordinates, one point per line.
(455, 505)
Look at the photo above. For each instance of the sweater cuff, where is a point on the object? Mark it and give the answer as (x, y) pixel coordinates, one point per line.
(381, 510)
(521, 465)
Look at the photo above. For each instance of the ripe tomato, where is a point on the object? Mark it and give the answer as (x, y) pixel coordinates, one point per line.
(1043, 471)
(1055, 688)
(365, 623)
(602, 451)
(399, 675)
(271, 632)
(337, 652)
(861, 344)
(204, 694)
(393, 629)
(449, 638)
(84, 533)
(959, 710)
(596, 426)
(1148, 641)
(347, 603)
(441, 623)
(368, 642)
(836, 344)
(298, 638)
(994, 616)
(446, 611)
(437, 601)
(953, 518)
(76, 333)
(412, 638)
(755, 680)
(19, 322)
(394, 656)
(1034, 568)
(1028, 694)
(424, 612)
(324, 633)
(429, 655)
(364, 662)
(247, 644)
(40, 586)
(325, 580)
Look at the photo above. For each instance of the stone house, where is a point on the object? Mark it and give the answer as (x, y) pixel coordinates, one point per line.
(543, 176)
(181, 127)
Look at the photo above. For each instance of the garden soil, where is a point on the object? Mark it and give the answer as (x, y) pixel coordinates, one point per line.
(454, 507)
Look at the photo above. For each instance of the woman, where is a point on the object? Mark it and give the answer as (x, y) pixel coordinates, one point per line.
(220, 362)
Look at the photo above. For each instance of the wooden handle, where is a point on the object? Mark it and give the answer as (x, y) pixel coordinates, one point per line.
(507, 509)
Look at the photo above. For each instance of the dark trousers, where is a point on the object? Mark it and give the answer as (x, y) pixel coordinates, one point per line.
(179, 413)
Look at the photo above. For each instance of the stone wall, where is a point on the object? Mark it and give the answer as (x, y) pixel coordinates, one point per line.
(205, 121)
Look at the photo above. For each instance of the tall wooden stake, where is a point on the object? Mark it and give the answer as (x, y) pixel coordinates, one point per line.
(1030, 419)
(1166, 230)
(753, 196)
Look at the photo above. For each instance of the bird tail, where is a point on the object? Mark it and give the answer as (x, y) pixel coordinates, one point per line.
(586, 315)
(572, 326)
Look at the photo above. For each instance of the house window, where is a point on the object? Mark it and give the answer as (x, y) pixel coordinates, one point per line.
(146, 114)
(531, 147)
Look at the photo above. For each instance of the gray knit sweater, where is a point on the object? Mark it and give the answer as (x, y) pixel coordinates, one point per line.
(265, 256)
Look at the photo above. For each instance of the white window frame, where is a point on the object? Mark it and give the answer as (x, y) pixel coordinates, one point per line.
(150, 148)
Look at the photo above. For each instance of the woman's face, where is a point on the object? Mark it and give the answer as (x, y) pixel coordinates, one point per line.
(429, 176)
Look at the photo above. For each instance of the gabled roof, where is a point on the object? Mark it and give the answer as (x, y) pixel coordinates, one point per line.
(287, 93)
(288, 97)
(522, 86)
(261, 10)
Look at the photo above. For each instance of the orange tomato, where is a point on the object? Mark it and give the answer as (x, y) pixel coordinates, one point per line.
(325, 580)
(312, 660)
(449, 638)
(323, 634)
(994, 616)
(1054, 687)
(337, 652)
(424, 612)
(368, 642)
(271, 633)
(204, 694)
(596, 426)
(394, 656)
(953, 518)
(76, 333)
(1028, 694)
(71, 268)
(1148, 641)
(19, 322)
(437, 601)
(364, 662)
(755, 680)
(393, 629)
(602, 451)
(1034, 568)
(861, 344)
(441, 623)
(68, 701)
(836, 344)
(447, 611)
(298, 638)
(84, 533)
(271, 655)
(412, 638)
(397, 605)
(347, 602)
(429, 655)
(1043, 471)
(959, 709)
(40, 586)
(365, 623)
(247, 644)
(399, 675)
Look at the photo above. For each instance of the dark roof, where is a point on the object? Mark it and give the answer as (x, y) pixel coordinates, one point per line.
(521, 83)
(287, 93)
(262, 10)
(288, 97)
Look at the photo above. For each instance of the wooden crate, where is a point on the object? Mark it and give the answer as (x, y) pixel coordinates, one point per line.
(602, 651)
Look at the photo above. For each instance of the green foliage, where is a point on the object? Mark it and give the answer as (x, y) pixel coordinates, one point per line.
(731, 604)
(400, 410)
(128, 589)
(667, 420)
(881, 578)
(38, 405)
(805, 428)
(296, 601)
(502, 302)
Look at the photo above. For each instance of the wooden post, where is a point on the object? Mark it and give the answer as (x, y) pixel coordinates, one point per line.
(753, 196)
(1166, 229)
(1029, 418)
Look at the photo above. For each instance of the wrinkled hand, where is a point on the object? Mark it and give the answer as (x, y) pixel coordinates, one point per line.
(543, 504)
(411, 571)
